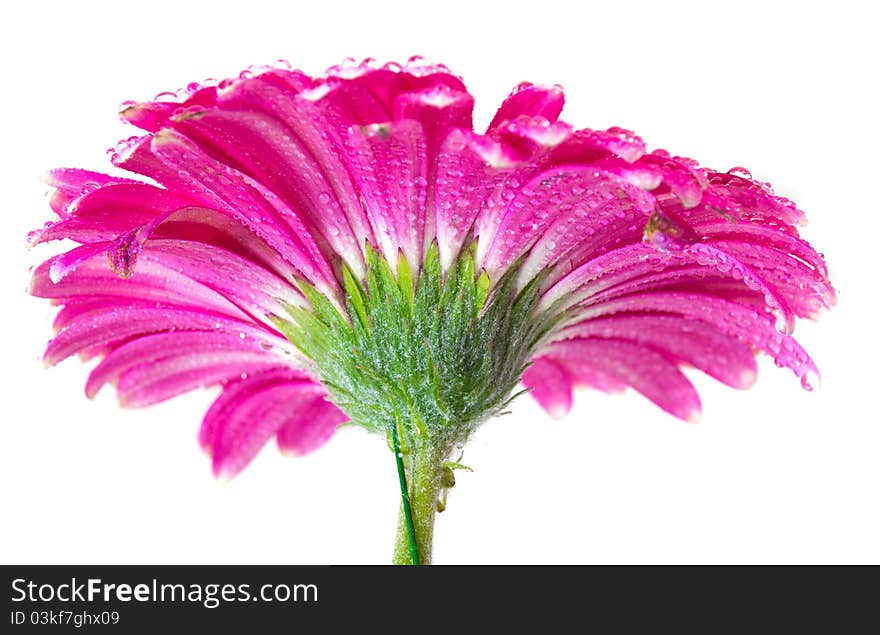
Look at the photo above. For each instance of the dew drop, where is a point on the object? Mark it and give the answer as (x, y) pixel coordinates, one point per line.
(784, 324)
(740, 171)
(810, 380)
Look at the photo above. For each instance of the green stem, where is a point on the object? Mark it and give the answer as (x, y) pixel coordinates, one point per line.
(406, 508)
(421, 480)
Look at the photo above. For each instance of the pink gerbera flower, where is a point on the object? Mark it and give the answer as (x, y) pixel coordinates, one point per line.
(347, 248)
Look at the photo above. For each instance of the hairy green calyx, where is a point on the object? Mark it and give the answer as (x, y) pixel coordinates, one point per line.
(434, 356)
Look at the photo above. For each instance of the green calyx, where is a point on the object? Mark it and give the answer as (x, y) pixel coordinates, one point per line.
(433, 355)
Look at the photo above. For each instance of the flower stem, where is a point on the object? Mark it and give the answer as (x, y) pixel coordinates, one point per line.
(420, 476)
(406, 508)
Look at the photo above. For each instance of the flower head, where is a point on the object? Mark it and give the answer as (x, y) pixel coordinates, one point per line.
(348, 247)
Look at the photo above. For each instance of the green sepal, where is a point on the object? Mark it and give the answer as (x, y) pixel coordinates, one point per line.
(432, 355)
(405, 281)
(355, 297)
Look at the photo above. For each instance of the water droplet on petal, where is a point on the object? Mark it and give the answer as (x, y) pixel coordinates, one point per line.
(784, 324)
(810, 380)
(740, 171)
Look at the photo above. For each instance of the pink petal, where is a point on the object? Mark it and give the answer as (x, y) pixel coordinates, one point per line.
(754, 327)
(251, 411)
(362, 94)
(739, 196)
(612, 147)
(802, 283)
(108, 323)
(312, 426)
(69, 184)
(551, 385)
(111, 210)
(242, 282)
(185, 273)
(63, 264)
(677, 175)
(710, 256)
(180, 165)
(718, 354)
(571, 193)
(766, 236)
(463, 186)
(238, 390)
(531, 100)
(95, 279)
(149, 116)
(507, 181)
(531, 138)
(147, 350)
(646, 370)
(163, 379)
(153, 116)
(389, 166)
(321, 132)
(605, 215)
(264, 149)
(439, 110)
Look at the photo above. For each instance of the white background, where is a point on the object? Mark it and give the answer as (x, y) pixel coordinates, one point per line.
(774, 474)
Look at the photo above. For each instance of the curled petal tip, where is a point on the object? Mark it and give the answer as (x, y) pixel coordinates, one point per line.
(128, 107)
(223, 475)
(747, 379)
(558, 411)
(290, 452)
(693, 416)
(34, 238)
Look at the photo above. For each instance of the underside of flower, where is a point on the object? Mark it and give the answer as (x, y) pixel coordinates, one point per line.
(348, 248)
(434, 354)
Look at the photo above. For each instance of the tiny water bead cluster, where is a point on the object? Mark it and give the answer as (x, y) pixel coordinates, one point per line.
(347, 248)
